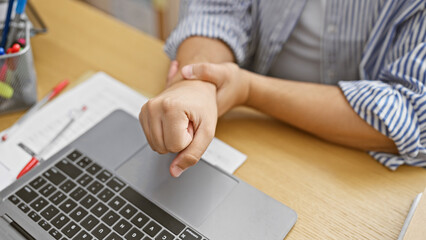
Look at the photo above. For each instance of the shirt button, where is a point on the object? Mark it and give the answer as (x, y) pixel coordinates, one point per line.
(331, 28)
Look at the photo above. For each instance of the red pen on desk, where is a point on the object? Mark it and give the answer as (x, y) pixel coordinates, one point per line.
(55, 91)
(38, 157)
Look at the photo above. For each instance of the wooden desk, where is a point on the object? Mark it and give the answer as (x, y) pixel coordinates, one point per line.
(338, 193)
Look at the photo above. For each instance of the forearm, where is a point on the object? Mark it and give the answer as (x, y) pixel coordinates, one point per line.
(319, 109)
(201, 49)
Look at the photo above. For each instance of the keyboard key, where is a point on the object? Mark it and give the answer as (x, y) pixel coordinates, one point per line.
(95, 187)
(54, 176)
(24, 207)
(88, 201)
(68, 168)
(74, 155)
(152, 210)
(78, 194)
(71, 229)
(55, 234)
(60, 220)
(101, 231)
(84, 180)
(15, 200)
(89, 222)
(57, 198)
(122, 227)
(104, 176)
(84, 162)
(68, 205)
(49, 212)
(37, 182)
(83, 235)
(67, 186)
(128, 211)
(105, 195)
(114, 236)
(134, 234)
(27, 194)
(39, 204)
(116, 184)
(152, 229)
(110, 218)
(94, 169)
(164, 235)
(34, 216)
(78, 214)
(99, 209)
(140, 219)
(45, 225)
(189, 234)
(116, 203)
(47, 190)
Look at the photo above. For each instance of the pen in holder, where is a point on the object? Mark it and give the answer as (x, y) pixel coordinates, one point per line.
(18, 88)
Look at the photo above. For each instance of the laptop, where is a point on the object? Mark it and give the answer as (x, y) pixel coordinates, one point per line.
(109, 184)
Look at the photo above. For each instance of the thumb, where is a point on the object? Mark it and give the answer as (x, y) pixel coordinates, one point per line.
(192, 154)
(209, 72)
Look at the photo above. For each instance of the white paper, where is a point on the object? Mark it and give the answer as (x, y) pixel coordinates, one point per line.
(102, 95)
(224, 156)
(5, 177)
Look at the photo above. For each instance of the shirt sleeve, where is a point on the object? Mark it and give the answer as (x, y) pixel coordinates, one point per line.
(395, 105)
(227, 20)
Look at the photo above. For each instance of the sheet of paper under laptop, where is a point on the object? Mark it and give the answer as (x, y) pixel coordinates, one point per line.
(102, 95)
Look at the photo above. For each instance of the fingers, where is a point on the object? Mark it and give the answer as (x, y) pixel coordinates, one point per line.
(143, 119)
(214, 73)
(152, 126)
(166, 130)
(175, 126)
(192, 154)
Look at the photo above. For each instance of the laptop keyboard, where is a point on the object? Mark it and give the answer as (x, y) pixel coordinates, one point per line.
(78, 199)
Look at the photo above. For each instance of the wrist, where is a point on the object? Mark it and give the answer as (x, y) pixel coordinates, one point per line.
(195, 83)
(247, 78)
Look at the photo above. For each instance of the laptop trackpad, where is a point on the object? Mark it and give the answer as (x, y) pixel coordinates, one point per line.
(192, 196)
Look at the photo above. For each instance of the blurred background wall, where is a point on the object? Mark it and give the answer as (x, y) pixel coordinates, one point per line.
(154, 17)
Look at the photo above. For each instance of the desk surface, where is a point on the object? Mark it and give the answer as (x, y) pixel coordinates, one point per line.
(339, 193)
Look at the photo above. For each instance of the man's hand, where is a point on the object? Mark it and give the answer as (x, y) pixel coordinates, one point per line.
(182, 119)
(233, 87)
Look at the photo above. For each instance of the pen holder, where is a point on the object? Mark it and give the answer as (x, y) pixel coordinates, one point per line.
(18, 89)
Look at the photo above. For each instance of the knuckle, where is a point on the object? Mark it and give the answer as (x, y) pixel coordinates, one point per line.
(153, 105)
(210, 134)
(208, 131)
(191, 159)
(169, 104)
(148, 106)
(159, 150)
(204, 71)
(175, 147)
(141, 115)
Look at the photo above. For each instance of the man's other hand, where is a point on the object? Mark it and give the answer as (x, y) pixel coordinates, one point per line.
(232, 83)
(182, 119)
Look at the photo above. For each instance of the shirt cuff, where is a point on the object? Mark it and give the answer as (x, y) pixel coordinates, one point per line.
(388, 110)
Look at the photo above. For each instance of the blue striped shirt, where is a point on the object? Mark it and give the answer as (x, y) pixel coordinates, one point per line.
(383, 42)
